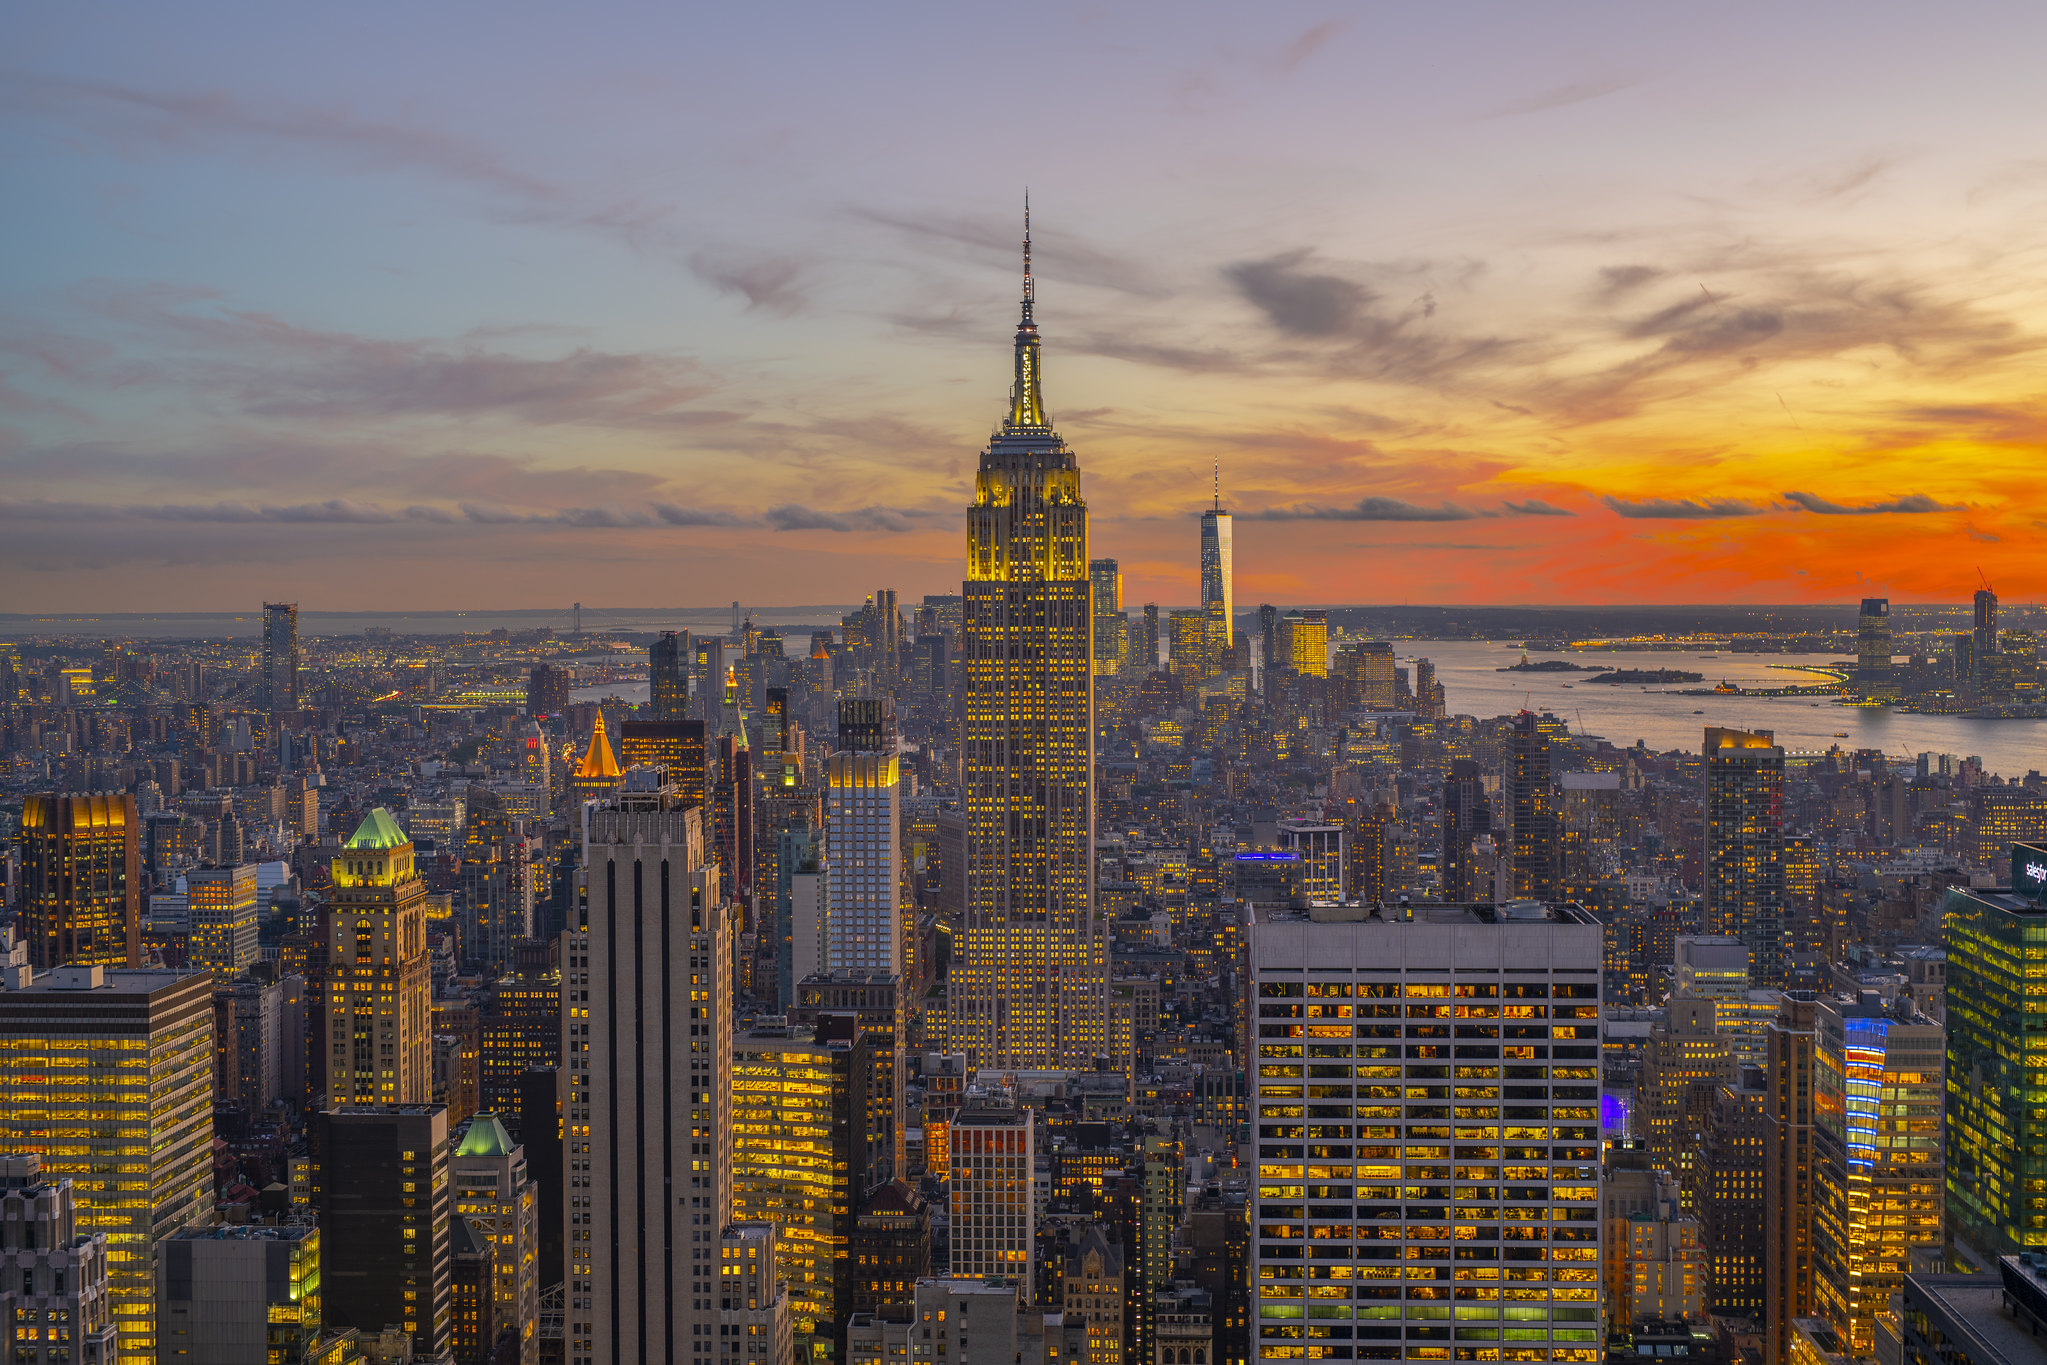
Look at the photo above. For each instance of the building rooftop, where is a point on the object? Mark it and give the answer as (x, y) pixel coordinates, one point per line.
(1975, 1311)
(378, 830)
(246, 1232)
(486, 1137)
(1425, 912)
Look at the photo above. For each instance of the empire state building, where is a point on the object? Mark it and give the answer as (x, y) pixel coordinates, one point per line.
(1029, 980)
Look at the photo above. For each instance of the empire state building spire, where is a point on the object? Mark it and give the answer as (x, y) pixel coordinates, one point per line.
(1027, 398)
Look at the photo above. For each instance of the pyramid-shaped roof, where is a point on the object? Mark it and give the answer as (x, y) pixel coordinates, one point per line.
(598, 764)
(486, 1137)
(378, 830)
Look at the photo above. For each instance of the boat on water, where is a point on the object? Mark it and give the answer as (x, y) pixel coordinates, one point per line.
(1698, 713)
(1726, 688)
(1840, 734)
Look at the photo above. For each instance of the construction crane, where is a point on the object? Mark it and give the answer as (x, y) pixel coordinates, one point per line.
(1984, 579)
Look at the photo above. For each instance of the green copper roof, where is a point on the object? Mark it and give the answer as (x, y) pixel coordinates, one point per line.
(486, 1137)
(378, 830)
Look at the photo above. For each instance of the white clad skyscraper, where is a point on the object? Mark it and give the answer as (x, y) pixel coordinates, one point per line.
(1029, 978)
(863, 858)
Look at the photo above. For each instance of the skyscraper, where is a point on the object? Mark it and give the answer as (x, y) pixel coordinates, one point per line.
(1877, 1187)
(676, 747)
(994, 1212)
(647, 1118)
(1507, 1251)
(1111, 628)
(1996, 1137)
(863, 851)
(1983, 640)
(380, 1177)
(280, 656)
(1303, 643)
(109, 1079)
(81, 879)
(1873, 649)
(1535, 828)
(1218, 579)
(1028, 983)
(501, 1204)
(222, 915)
(1467, 814)
(668, 676)
(379, 1029)
(1744, 852)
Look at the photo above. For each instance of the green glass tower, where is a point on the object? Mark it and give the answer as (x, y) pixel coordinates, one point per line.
(1997, 1060)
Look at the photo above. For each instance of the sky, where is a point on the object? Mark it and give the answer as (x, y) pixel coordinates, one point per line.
(475, 306)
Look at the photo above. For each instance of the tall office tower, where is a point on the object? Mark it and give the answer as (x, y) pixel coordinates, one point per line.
(754, 1311)
(597, 775)
(1490, 1256)
(1302, 643)
(241, 1295)
(647, 1116)
(891, 1247)
(828, 1003)
(497, 886)
(50, 1272)
(536, 764)
(867, 725)
(547, 690)
(1187, 645)
(1787, 1177)
(81, 880)
(676, 747)
(1873, 649)
(1533, 838)
(501, 1204)
(802, 909)
(1028, 985)
(1996, 1134)
(1730, 1196)
(1368, 668)
(1683, 1067)
(248, 1034)
(1161, 1200)
(1112, 628)
(1877, 1177)
(280, 656)
(221, 905)
(799, 1105)
(1324, 851)
(668, 660)
(1218, 579)
(380, 1182)
(1148, 651)
(1467, 815)
(1744, 853)
(520, 1025)
(863, 850)
(994, 1214)
(132, 1052)
(1983, 639)
(379, 1047)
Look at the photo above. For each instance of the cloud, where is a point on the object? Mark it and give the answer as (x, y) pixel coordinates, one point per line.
(1680, 509)
(1299, 302)
(1056, 254)
(1536, 507)
(771, 283)
(793, 516)
(346, 511)
(695, 516)
(1559, 96)
(1908, 503)
(1368, 509)
(790, 516)
(1308, 44)
(1616, 280)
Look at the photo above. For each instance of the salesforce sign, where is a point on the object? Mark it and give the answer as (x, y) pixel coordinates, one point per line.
(2029, 871)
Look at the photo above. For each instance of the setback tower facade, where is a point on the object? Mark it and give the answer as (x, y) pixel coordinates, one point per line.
(1028, 984)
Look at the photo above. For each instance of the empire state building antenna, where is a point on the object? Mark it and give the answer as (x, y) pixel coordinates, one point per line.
(1027, 290)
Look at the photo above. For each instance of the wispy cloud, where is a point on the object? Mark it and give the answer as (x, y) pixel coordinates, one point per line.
(1557, 97)
(1908, 503)
(1536, 507)
(1680, 509)
(1368, 509)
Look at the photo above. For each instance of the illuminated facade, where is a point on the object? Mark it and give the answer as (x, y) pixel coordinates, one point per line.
(798, 1162)
(597, 775)
(380, 1188)
(668, 660)
(1302, 643)
(81, 880)
(863, 857)
(240, 1295)
(1218, 583)
(494, 1193)
(676, 747)
(753, 1306)
(1534, 826)
(1744, 854)
(1873, 677)
(50, 1273)
(647, 1120)
(280, 656)
(1028, 984)
(1877, 1160)
(1443, 1074)
(1996, 1136)
(1112, 628)
(109, 1080)
(994, 1214)
(222, 914)
(1787, 1176)
(379, 1005)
